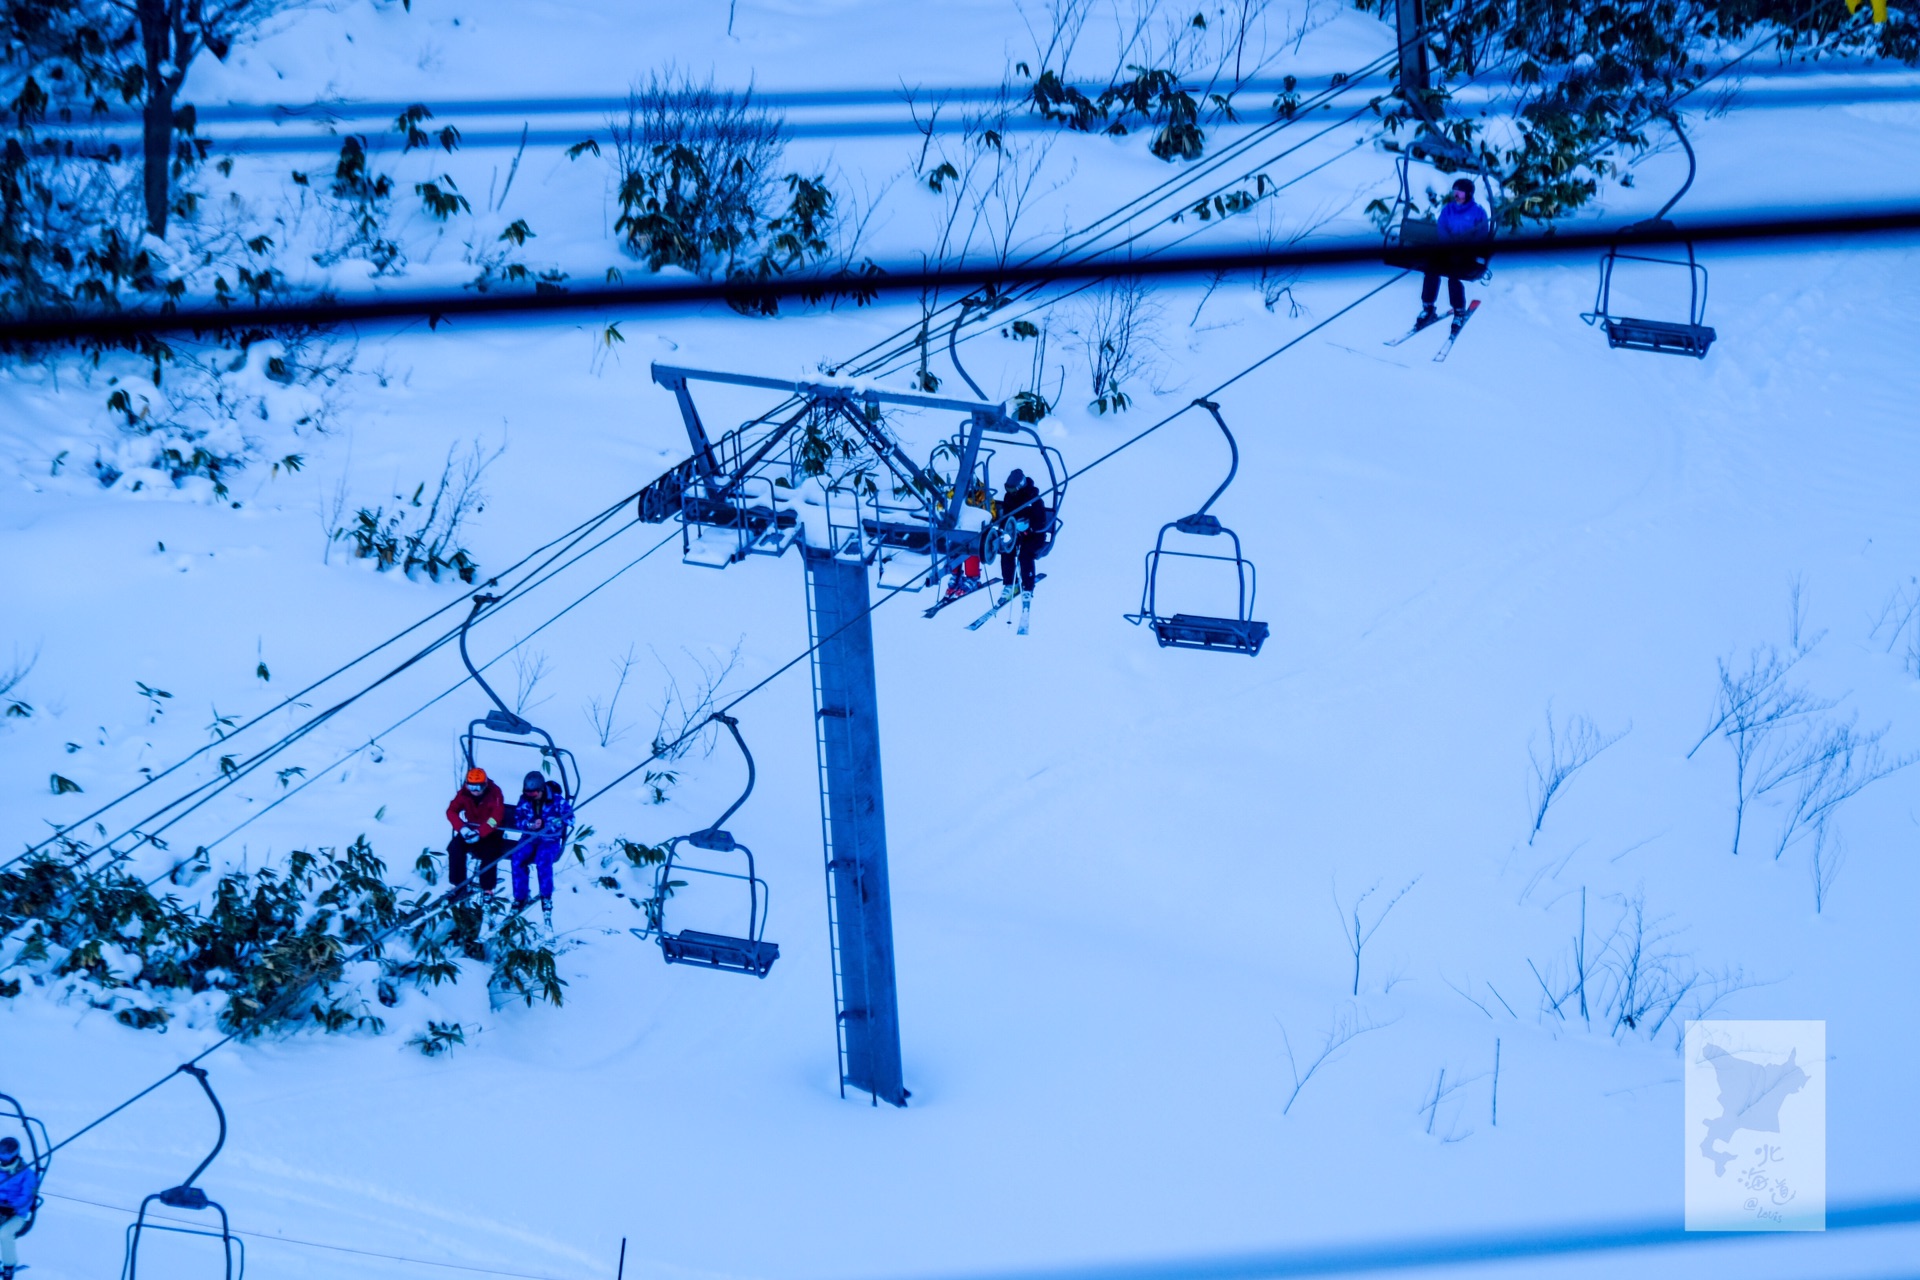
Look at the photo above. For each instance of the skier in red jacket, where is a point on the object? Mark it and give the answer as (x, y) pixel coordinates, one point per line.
(478, 813)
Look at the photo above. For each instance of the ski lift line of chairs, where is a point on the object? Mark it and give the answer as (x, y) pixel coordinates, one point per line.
(1689, 337)
(35, 1147)
(500, 720)
(1240, 633)
(188, 1196)
(751, 953)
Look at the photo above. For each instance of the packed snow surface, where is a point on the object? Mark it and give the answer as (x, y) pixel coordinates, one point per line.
(1119, 873)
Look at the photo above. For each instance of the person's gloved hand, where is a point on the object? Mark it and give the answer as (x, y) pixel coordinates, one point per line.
(469, 834)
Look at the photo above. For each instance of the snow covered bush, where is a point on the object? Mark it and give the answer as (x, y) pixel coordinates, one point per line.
(696, 170)
(698, 189)
(314, 943)
(1595, 81)
(422, 534)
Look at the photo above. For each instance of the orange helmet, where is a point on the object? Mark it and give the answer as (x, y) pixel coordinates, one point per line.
(476, 777)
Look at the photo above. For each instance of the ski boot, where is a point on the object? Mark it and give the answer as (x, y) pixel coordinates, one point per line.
(1007, 593)
(546, 912)
(1426, 317)
(1459, 318)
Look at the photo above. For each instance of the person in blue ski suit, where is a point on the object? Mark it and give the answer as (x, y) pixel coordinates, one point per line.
(19, 1184)
(545, 816)
(1461, 223)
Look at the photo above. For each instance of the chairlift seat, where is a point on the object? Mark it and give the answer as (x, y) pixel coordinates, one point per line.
(718, 951)
(1668, 337)
(1197, 631)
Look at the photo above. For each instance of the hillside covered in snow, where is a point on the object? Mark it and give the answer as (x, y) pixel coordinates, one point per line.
(1588, 705)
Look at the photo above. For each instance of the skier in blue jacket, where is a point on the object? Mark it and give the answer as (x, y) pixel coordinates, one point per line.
(19, 1184)
(545, 816)
(1461, 222)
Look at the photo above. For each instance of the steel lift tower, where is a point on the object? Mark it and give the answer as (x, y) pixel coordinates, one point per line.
(825, 472)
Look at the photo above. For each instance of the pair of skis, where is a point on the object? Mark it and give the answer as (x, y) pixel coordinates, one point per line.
(1446, 348)
(1026, 612)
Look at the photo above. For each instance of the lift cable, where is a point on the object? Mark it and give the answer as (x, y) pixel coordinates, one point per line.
(228, 777)
(294, 697)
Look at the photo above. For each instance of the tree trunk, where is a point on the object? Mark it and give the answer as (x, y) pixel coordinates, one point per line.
(157, 116)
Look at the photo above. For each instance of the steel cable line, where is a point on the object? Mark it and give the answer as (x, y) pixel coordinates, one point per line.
(437, 698)
(457, 893)
(306, 1244)
(987, 320)
(473, 140)
(228, 777)
(1336, 86)
(1078, 239)
(1776, 226)
(297, 695)
(425, 912)
(237, 774)
(339, 110)
(421, 914)
(990, 320)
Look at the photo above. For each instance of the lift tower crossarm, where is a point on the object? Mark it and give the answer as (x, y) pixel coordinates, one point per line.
(672, 376)
(842, 396)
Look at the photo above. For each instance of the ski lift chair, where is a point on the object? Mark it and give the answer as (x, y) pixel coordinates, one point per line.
(1413, 238)
(1689, 337)
(502, 721)
(752, 953)
(1239, 633)
(188, 1196)
(34, 1145)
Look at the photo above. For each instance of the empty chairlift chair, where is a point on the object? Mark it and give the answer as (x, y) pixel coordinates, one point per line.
(750, 953)
(188, 1196)
(520, 731)
(1237, 633)
(1689, 337)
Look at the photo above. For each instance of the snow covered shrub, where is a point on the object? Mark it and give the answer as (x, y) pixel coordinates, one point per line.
(303, 945)
(423, 534)
(1171, 65)
(1116, 331)
(438, 1038)
(1596, 80)
(1630, 980)
(696, 170)
(698, 191)
(359, 201)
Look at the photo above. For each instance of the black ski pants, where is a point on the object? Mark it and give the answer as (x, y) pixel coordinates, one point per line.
(1430, 290)
(488, 849)
(1020, 559)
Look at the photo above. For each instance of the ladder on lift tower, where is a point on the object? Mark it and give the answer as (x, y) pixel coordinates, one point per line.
(820, 718)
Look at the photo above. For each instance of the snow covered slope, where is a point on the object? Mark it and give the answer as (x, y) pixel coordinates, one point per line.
(1115, 868)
